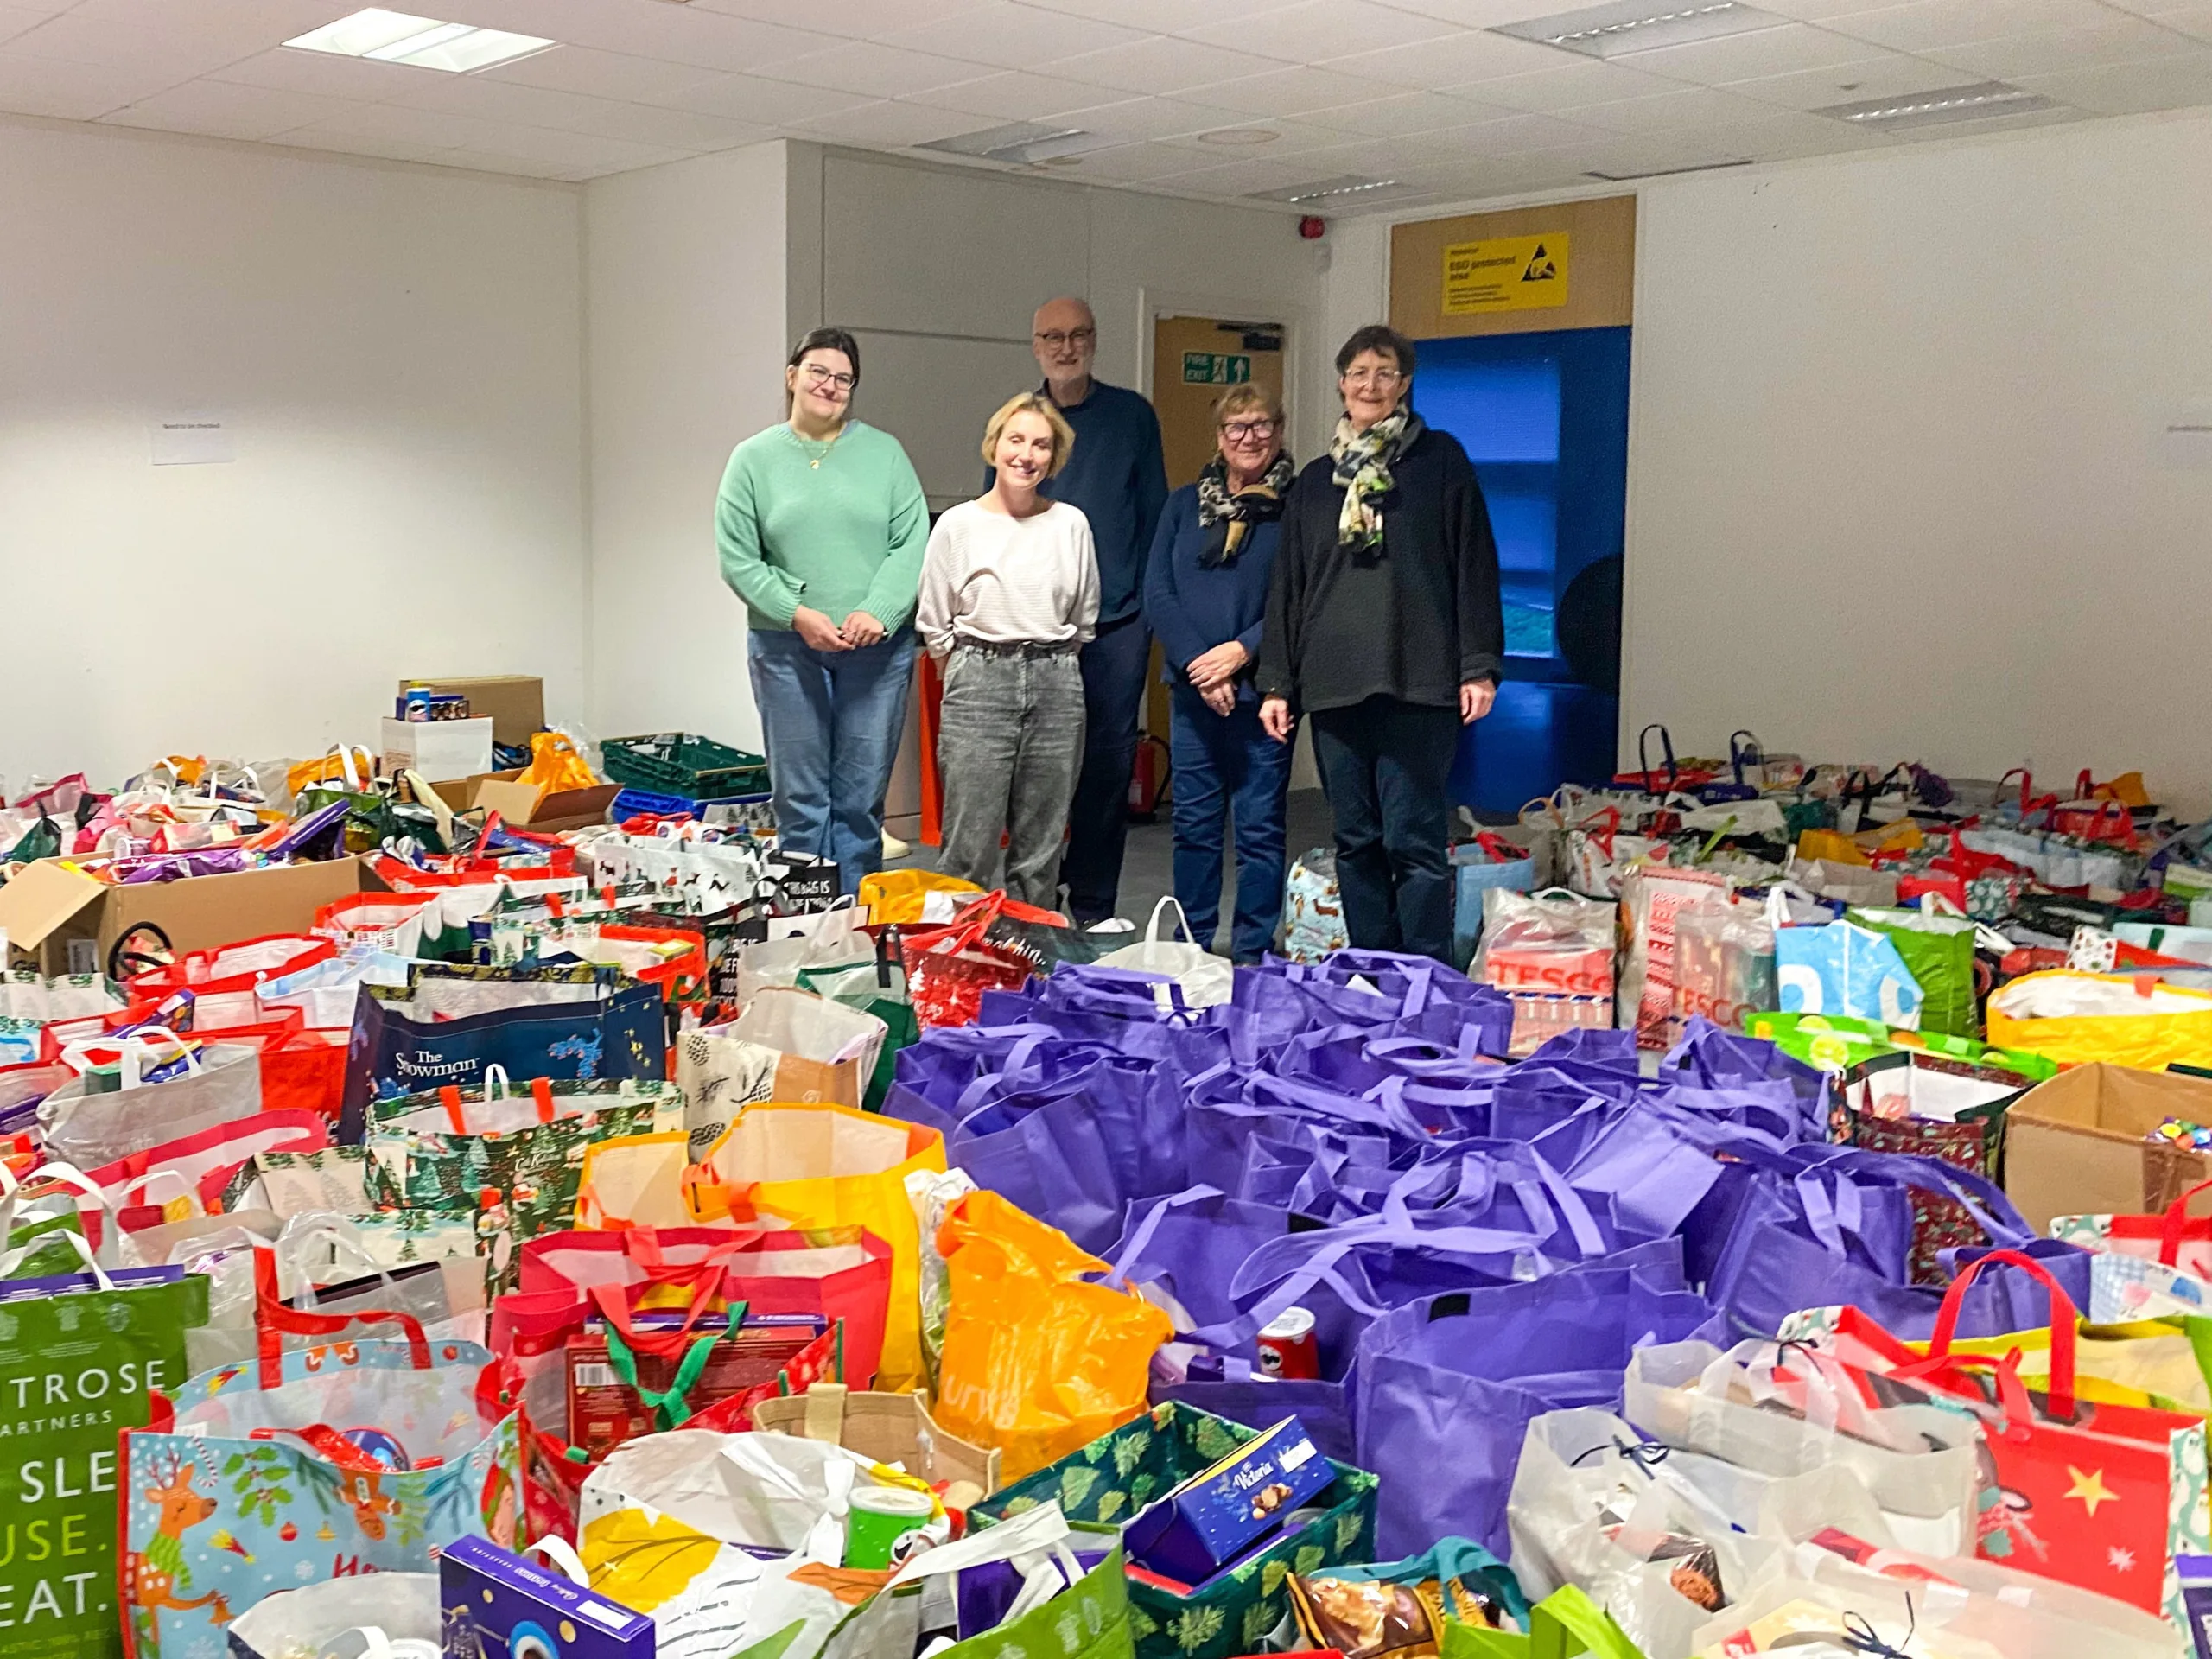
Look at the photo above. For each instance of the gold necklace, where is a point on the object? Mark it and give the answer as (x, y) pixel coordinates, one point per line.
(807, 444)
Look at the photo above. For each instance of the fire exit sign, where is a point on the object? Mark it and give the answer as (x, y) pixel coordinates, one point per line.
(1216, 369)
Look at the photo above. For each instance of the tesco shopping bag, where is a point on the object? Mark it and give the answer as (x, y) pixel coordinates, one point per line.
(1840, 967)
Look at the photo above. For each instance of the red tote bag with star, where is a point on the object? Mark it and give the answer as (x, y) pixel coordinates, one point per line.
(2080, 1491)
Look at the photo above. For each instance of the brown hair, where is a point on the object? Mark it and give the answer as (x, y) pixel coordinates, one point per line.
(1031, 403)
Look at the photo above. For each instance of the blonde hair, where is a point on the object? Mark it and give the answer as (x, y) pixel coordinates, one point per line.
(1248, 395)
(1030, 402)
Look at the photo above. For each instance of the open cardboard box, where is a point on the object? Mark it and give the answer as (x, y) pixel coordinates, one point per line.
(61, 921)
(519, 803)
(515, 703)
(2078, 1144)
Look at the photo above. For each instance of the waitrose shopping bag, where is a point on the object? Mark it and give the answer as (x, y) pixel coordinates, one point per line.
(79, 1356)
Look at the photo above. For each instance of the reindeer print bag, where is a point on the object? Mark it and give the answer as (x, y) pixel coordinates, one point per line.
(77, 1356)
(320, 1462)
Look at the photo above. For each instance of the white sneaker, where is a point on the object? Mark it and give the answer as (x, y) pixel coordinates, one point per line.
(895, 848)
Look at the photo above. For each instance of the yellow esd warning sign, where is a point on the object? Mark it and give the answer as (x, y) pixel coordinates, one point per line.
(1508, 273)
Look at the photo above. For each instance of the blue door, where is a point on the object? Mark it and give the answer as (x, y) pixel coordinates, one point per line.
(1544, 418)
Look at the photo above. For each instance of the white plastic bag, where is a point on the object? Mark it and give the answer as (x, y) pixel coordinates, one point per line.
(1206, 980)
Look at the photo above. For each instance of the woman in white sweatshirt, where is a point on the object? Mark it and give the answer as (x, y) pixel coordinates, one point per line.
(1010, 595)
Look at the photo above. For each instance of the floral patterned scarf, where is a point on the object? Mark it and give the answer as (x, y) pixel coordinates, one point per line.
(1363, 461)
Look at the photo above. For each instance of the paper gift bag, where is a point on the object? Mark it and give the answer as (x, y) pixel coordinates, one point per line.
(2089, 1494)
(788, 1045)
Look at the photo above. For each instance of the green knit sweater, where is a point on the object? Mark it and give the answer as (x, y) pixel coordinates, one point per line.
(845, 535)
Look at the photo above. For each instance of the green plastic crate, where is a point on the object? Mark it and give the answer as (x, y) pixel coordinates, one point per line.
(678, 763)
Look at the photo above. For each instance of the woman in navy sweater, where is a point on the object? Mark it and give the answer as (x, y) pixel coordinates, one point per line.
(1206, 594)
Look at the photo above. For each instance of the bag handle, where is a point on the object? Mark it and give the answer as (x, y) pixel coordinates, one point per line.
(670, 1407)
(1643, 758)
(2176, 1224)
(2063, 1320)
(1182, 921)
(1750, 752)
(273, 1320)
(613, 1305)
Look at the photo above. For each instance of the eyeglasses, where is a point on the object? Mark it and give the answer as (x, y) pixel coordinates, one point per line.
(1374, 377)
(1239, 432)
(1059, 338)
(818, 376)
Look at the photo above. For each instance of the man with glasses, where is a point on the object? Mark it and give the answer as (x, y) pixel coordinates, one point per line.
(1116, 475)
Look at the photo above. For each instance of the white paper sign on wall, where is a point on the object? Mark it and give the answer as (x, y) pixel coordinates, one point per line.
(191, 441)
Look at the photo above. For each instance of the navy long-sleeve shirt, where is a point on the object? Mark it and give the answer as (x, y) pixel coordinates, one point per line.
(1116, 475)
(1193, 609)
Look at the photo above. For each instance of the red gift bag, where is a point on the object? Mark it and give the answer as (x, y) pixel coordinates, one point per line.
(2073, 1490)
(838, 1273)
(949, 969)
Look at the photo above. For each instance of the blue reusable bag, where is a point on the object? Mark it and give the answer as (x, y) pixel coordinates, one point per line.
(568, 1023)
(1488, 862)
(1839, 968)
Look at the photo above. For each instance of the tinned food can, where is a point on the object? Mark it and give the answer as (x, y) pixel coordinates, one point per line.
(1287, 1348)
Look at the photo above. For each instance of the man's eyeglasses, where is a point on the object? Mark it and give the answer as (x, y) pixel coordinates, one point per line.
(1239, 432)
(1374, 377)
(1060, 338)
(818, 376)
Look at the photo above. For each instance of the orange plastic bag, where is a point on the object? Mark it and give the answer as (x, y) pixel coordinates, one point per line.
(556, 764)
(1037, 1362)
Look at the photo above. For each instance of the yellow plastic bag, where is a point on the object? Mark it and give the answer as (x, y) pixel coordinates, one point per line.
(340, 765)
(1830, 846)
(556, 764)
(807, 1165)
(1037, 1362)
(2151, 1364)
(2074, 1018)
(894, 897)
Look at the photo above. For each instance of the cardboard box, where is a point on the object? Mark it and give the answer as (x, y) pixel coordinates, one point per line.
(65, 922)
(2077, 1145)
(514, 704)
(497, 1601)
(566, 809)
(438, 749)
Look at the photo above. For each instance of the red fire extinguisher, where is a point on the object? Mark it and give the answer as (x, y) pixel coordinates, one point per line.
(1148, 789)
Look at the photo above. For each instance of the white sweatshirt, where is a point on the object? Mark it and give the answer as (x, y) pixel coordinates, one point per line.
(1002, 580)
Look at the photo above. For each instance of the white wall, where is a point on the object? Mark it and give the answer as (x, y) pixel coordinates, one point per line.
(1895, 480)
(939, 270)
(398, 356)
(685, 274)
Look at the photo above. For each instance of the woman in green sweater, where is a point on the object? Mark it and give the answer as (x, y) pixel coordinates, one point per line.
(821, 526)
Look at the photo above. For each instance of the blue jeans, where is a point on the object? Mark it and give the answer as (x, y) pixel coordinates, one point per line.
(1226, 763)
(832, 721)
(1385, 765)
(1098, 822)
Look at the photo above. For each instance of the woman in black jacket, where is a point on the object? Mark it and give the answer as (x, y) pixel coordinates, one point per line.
(1383, 625)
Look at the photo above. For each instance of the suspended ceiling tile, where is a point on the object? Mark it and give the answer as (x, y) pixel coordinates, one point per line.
(1160, 66)
(2130, 88)
(1409, 114)
(1011, 37)
(769, 102)
(1287, 92)
(225, 110)
(1317, 30)
(1454, 61)
(1891, 75)
(863, 66)
(2115, 41)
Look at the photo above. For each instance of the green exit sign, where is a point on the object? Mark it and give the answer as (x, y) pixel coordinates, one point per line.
(1215, 369)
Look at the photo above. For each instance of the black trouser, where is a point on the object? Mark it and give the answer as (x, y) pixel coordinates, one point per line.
(1114, 667)
(1385, 765)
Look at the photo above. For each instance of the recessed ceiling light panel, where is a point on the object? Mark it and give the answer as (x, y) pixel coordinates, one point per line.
(1613, 31)
(1344, 185)
(424, 42)
(1021, 143)
(1982, 100)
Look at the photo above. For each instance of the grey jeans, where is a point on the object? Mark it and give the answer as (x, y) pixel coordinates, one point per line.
(1009, 744)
